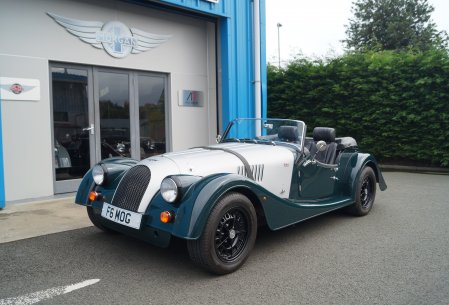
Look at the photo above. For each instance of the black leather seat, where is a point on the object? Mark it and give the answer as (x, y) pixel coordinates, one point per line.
(327, 135)
(288, 134)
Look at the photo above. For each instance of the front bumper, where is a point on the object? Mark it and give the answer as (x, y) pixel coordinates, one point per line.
(146, 232)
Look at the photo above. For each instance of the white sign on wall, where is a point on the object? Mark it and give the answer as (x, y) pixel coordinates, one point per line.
(114, 37)
(19, 89)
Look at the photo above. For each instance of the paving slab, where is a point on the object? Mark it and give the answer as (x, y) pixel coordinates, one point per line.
(31, 219)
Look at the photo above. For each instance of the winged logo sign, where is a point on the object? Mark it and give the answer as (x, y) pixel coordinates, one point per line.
(19, 89)
(114, 37)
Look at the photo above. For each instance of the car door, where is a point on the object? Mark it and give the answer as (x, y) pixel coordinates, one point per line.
(315, 181)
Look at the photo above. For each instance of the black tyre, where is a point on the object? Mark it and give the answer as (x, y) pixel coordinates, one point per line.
(95, 219)
(228, 237)
(366, 193)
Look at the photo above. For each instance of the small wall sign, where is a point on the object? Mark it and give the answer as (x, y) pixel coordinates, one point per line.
(19, 89)
(191, 98)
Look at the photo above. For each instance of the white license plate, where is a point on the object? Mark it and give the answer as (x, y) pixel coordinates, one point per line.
(121, 216)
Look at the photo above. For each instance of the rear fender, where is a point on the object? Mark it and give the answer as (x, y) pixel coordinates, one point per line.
(359, 162)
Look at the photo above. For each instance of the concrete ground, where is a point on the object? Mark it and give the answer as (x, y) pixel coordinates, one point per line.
(41, 217)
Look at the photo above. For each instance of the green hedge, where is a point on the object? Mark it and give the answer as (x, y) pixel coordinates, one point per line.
(396, 105)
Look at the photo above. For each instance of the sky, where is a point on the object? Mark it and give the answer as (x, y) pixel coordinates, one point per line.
(315, 28)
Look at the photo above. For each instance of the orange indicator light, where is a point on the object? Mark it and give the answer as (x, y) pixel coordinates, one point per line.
(166, 217)
(93, 196)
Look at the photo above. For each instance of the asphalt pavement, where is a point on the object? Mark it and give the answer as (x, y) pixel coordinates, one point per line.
(398, 254)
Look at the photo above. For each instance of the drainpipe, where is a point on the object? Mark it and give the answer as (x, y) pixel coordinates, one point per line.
(257, 83)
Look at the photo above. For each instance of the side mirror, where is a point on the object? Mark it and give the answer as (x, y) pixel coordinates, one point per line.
(218, 138)
(321, 146)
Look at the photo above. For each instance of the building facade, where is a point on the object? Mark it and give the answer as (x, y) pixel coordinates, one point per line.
(84, 80)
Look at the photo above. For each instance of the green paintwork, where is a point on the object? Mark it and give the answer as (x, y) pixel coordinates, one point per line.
(115, 167)
(86, 185)
(313, 192)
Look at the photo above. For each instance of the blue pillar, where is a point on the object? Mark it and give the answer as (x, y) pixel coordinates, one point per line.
(237, 61)
(263, 58)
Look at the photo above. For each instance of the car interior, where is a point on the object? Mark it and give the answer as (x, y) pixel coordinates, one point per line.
(333, 148)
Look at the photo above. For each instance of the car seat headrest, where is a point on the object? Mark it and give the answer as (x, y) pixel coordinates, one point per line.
(288, 133)
(326, 134)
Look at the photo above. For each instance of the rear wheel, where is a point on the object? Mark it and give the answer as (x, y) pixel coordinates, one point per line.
(228, 237)
(95, 219)
(366, 193)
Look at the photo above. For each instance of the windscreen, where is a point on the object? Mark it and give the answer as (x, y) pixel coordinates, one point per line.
(265, 130)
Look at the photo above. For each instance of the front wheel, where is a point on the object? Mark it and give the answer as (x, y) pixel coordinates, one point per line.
(228, 237)
(366, 193)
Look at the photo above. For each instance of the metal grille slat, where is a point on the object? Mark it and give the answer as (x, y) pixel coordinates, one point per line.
(257, 170)
(131, 188)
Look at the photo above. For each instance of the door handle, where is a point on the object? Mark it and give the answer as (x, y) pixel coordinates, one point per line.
(91, 128)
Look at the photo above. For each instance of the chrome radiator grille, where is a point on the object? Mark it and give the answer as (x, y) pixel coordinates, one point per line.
(131, 189)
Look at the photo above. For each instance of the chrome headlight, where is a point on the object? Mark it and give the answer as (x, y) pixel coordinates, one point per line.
(169, 190)
(98, 174)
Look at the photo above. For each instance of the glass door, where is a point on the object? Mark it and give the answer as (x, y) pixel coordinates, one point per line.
(112, 96)
(131, 113)
(72, 126)
(99, 113)
(151, 114)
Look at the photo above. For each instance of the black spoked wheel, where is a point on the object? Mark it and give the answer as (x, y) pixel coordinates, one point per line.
(366, 193)
(228, 236)
(231, 235)
(95, 219)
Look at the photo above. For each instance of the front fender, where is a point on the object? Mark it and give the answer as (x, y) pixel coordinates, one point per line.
(196, 205)
(208, 197)
(86, 185)
(115, 168)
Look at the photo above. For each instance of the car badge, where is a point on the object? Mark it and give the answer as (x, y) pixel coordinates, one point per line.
(16, 88)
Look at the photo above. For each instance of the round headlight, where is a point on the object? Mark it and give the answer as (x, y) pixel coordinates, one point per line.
(98, 174)
(169, 190)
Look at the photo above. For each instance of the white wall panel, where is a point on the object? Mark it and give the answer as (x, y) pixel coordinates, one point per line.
(33, 40)
(26, 126)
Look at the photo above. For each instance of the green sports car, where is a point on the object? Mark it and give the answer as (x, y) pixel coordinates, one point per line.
(261, 172)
